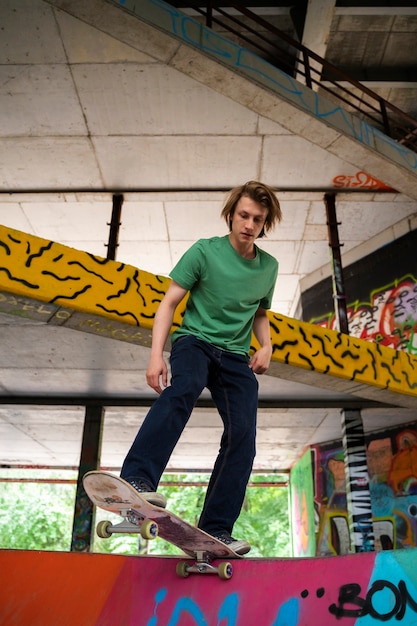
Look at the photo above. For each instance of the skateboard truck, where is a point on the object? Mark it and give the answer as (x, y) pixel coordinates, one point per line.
(131, 523)
(202, 565)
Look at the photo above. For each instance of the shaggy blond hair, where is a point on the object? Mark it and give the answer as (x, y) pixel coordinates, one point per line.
(259, 192)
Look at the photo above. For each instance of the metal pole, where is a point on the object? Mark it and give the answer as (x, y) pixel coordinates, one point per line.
(89, 460)
(114, 227)
(336, 259)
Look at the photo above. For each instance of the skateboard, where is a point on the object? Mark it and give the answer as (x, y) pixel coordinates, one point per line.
(139, 516)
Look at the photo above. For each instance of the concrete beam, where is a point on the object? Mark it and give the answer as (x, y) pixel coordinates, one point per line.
(176, 39)
(42, 279)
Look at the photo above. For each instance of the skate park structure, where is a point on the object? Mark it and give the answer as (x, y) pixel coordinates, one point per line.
(70, 302)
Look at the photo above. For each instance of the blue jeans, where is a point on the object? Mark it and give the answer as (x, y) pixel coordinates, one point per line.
(195, 365)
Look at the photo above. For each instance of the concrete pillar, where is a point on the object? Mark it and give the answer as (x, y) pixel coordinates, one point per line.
(357, 483)
(89, 460)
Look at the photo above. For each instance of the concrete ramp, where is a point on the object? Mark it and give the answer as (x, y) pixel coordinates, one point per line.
(52, 283)
(68, 589)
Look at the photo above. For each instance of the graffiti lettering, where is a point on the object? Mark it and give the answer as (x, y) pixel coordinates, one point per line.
(227, 611)
(360, 179)
(390, 318)
(383, 601)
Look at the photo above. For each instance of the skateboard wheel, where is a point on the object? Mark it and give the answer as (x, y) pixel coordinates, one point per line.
(182, 569)
(225, 570)
(149, 529)
(103, 529)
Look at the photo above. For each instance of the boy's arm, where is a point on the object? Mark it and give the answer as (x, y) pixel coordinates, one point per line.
(260, 361)
(157, 372)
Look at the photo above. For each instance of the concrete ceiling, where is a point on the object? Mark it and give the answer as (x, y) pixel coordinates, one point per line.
(93, 102)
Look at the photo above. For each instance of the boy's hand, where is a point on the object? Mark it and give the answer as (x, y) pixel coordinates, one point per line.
(260, 361)
(157, 373)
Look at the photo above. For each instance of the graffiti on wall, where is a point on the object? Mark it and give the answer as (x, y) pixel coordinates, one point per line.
(389, 318)
(392, 469)
(357, 483)
(301, 504)
(360, 180)
(365, 589)
(352, 602)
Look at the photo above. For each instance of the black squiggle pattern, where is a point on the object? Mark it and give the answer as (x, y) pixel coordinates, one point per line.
(38, 254)
(274, 328)
(161, 293)
(373, 362)
(60, 278)
(74, 295)
(138, 291)
(307, 360)
(18, 280)
(339, 340)
(97, 259)
(410, 360)
(6, 247)
(109, 282)
(284, 344)
(118, 313)
(121, 291)
(148, 317)
(304, 336)
(387, 367)
(19, 241)
(358, 372)
(57, 258)
(326, 354)
(409, 383)
(350, 354)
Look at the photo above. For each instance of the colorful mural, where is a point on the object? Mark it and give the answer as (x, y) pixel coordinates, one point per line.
(301, 507)
(46, 589)
(392, 469)
(389, 318)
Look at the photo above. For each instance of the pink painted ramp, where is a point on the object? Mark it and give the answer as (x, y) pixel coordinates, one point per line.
(68, 589)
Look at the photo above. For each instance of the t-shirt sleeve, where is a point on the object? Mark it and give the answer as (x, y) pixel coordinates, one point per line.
(187, 271)
(266, 301)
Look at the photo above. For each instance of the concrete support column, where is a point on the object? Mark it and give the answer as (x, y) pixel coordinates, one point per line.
(357, 483)
(89, 460)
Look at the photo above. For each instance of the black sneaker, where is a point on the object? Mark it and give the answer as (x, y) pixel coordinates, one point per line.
(146, 492)
(240, 546)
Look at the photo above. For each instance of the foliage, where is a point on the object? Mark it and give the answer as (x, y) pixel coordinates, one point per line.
(38, 516)
(33, 518)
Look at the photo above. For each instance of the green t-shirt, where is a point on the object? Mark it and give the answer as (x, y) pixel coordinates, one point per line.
(225, 292)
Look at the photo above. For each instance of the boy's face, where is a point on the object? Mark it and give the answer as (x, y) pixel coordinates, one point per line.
(247, 221)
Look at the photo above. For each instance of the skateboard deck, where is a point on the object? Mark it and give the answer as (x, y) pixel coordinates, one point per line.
(114, 494)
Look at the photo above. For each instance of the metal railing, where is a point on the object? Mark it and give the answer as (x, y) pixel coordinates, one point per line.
(281, 50)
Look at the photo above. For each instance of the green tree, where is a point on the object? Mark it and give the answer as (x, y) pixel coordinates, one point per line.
(36, 516)
(39, 516)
